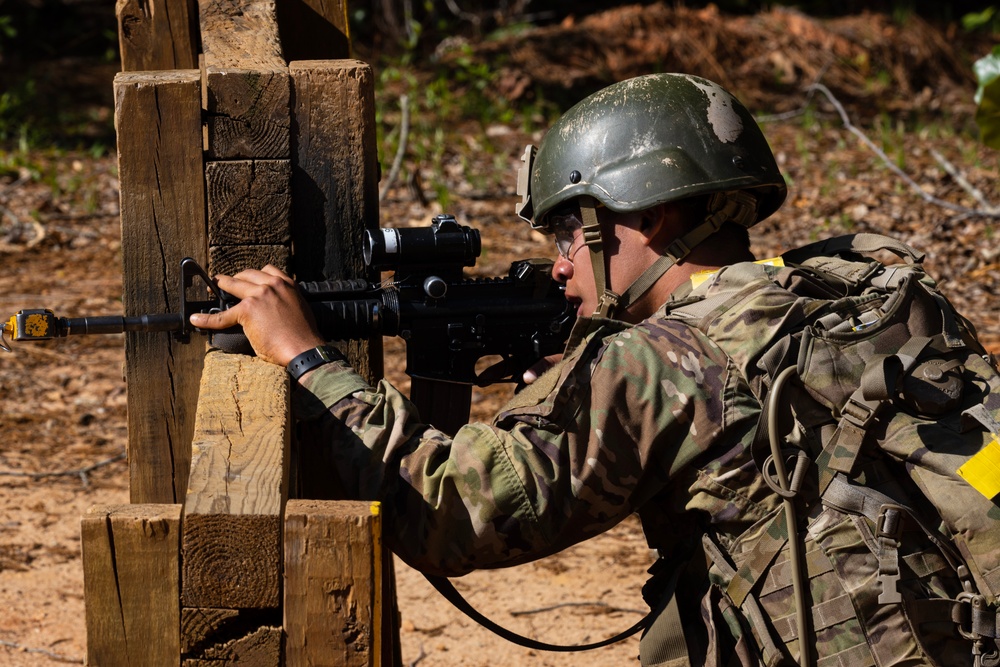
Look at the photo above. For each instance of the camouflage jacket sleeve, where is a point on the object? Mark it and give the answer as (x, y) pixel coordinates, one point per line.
(587, 444)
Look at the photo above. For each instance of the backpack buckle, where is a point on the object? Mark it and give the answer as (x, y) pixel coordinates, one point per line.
(983, 627)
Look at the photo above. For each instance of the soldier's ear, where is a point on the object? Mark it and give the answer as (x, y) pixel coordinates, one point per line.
(659, 225)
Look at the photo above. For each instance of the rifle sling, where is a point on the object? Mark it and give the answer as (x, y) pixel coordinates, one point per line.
(447, 589)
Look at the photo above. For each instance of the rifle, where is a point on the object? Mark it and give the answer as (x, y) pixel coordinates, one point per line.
(449, 322)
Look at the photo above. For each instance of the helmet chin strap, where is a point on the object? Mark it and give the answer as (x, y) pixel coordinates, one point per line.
(737, 206)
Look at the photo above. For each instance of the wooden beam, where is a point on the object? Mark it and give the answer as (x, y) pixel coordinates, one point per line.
(334, 167)
(247, 113)
(249, 201)
(218, 637)
(131, 584)
(158, 119)
(335, 180)
(247, 87)
(240, 33)
(157, 34)
(230, 259)
(231, 543)
(259, 648)
(333, 584)
(334, 201)
(314, 29)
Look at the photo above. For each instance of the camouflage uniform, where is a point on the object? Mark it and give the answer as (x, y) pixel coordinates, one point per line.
(624, 424)
(655, 419)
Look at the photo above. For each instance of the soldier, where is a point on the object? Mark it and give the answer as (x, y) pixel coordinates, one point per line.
(648, 188)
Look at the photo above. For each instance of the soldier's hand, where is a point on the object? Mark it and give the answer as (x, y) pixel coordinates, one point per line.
(275, 317)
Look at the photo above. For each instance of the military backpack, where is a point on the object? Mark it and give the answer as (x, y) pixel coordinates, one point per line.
(880, 430)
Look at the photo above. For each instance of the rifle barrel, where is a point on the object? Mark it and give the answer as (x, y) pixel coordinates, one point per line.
(108, 324)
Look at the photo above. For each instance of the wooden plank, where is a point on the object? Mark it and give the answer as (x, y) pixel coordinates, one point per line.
(162, 183)
(157, 34)
(247, 98)
(240, 33)
(259, 648)
(334, 167)
(247, 113)
(334, 201)
(333, 577)
(225, 636)
(199, 625)
(131, 584)
(231, 259)
(231, 542)
(314, 29)
(335, 181)
(249, 201)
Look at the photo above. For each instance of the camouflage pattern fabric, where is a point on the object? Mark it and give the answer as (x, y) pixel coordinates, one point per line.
(659, 419)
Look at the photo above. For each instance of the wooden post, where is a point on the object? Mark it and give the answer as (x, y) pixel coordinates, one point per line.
(333, 578)
(247, 95)
(231, 536)
(314, 29)
(335, 180)
(157, 34)
(158, 118)
(238, 485)
(131, 585)
(210, 168)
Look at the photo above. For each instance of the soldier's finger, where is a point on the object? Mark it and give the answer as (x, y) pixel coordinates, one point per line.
(277, 273)
(220, 320)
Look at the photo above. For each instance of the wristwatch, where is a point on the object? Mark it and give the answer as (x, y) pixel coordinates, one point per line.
(311, 359)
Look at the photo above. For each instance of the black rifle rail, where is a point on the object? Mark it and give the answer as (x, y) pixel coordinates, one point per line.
(449, 322)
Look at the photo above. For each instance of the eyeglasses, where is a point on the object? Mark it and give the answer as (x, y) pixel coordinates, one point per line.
(566, 228)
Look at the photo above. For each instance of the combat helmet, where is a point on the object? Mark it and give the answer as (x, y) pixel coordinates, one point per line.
(646, 141)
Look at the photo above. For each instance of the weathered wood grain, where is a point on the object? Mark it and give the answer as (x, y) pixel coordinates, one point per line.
(157, 34)
(335, 180)
(231, 542)
(249, 202)
(259, 648)
(314, 29)
(240, 33)
(158, 119)
(231, 259)
(131, 586)
(247, 113)
(246, 76)
(333, 575)
(200, 625)
(334, 167)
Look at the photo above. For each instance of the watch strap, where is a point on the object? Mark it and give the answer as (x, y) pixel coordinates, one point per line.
(311, 359)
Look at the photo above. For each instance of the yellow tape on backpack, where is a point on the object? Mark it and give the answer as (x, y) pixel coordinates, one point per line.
(982, 471)
(701, 276)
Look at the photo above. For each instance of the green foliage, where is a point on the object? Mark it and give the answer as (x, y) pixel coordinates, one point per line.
(7, 29)
(461, 92)
(987, 98)
(16, 104)
(985, 19)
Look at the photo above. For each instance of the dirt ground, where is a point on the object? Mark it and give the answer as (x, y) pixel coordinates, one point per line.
(62, 415)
